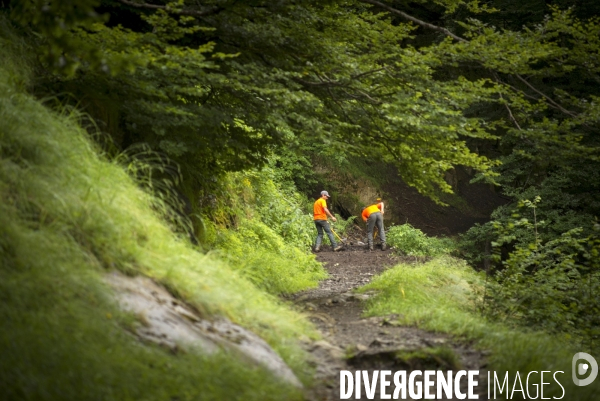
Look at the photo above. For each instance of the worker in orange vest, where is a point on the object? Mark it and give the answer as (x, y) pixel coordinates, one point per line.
(320, 217)
(373, 216)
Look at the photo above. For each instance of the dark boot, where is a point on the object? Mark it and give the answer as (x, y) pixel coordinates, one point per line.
(337, 248)
(317, 248)
(383, 246)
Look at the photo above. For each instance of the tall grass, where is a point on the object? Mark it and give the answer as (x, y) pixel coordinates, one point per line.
(62, 338)
(266, 259)
(67, 216)
(438, 296)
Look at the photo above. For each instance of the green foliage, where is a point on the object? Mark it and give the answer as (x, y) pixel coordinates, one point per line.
(247, 75)
(568, 195)
(550, 147)
(253, 77)
(55, 22)
(569, 202)
(412, 241)
(281, 207)
(538, 276)
(293, 165)
(67, 217)
(16, 71)
(475, 245)
(549, 284)
(439, 296)
(259, 223)
(256, 194)
(263, 256)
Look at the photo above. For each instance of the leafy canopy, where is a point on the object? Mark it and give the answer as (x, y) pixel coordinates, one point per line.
(219, 86)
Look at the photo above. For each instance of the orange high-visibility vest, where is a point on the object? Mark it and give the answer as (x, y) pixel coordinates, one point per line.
(369, 211)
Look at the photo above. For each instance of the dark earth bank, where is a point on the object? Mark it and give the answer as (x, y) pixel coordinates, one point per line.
(470, 203)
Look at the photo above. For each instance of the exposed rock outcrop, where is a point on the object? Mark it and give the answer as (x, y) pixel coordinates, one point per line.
(167, 321)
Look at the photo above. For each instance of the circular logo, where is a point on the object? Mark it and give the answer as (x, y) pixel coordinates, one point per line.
(581, 368)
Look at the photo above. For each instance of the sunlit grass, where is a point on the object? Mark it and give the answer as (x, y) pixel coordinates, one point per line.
(63, 338)
(437, 296)
(260, 254)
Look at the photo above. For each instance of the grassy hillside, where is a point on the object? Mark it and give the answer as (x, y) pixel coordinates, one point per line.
(68, 216)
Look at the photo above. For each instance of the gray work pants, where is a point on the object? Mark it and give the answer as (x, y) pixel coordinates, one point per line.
(323, 225)
(373, 220)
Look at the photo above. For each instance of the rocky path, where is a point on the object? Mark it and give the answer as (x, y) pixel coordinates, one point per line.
(351, 342)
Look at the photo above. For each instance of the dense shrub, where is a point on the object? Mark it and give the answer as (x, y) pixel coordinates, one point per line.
(570, 201)
(263, 227)
(549, 284)
(475, 245)
(342, 227)
(412, 241)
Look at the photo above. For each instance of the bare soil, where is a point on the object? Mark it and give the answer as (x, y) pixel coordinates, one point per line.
(353, 342)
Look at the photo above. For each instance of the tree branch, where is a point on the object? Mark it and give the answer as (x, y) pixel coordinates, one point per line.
(365, 94)
(192, 13)
(415, 20)
(311, 83)
(510, 114)
(362, 74)
(339, 105)
(558, 106)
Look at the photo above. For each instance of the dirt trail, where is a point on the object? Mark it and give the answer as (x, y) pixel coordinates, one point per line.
(351, 342)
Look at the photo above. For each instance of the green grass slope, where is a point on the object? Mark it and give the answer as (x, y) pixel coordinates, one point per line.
(67, 216)
(438, 296)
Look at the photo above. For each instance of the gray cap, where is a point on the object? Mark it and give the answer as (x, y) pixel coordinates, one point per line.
(325, 193)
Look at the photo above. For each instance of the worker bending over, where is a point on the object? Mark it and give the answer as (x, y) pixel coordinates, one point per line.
(373, 216)
(320, 217)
